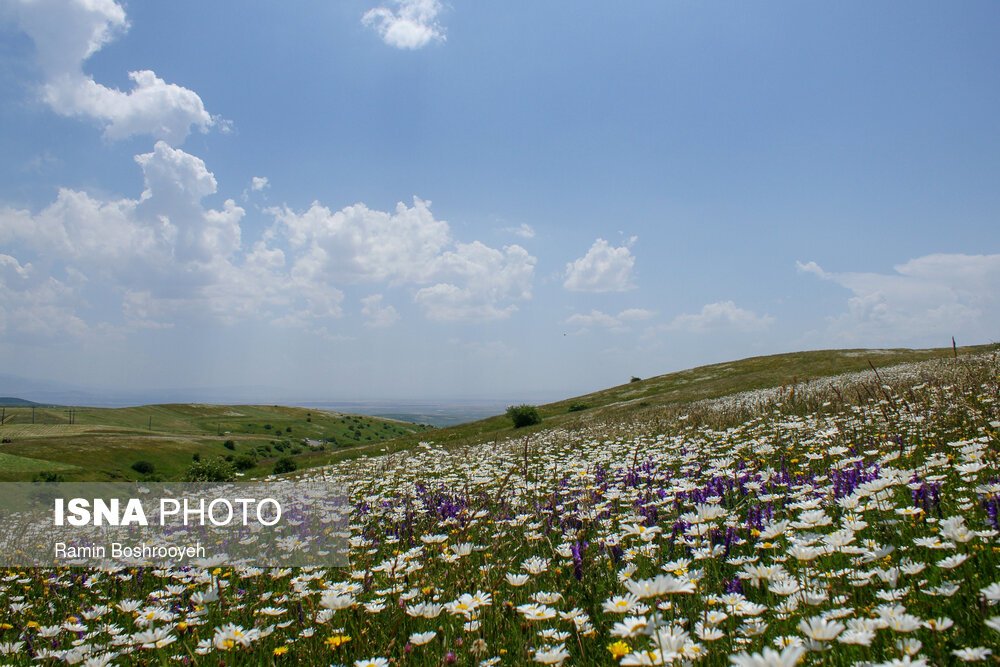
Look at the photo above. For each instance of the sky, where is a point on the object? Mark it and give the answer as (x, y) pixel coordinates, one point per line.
(413, 199)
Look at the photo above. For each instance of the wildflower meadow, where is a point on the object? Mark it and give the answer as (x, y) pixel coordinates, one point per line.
(845, 521)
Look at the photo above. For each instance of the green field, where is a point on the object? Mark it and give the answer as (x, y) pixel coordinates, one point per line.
(102, 444)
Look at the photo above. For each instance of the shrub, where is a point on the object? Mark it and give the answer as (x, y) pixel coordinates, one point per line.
(47, 476)
(210, 471)
(245, 462)
(524, 415)
(635, 379)
(143, 467)
(284, 464)
(229, 444)
(196, 457)
(578, 406)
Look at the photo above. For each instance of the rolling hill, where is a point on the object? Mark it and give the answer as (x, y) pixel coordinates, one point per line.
(102, 444)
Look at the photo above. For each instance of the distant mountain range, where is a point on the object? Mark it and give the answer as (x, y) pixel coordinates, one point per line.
(12, 402)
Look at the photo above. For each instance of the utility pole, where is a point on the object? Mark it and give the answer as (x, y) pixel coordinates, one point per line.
(150, 426)
(32, 414)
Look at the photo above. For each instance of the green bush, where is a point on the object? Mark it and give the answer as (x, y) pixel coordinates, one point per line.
(229, 444)
(284, 464)
(635, 379)
(524, 415)
(245, 462)
(210, 471)
(578, 406)
(143, 467)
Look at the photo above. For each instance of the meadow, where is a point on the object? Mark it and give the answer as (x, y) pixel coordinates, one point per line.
(102, 444)
(821, 520)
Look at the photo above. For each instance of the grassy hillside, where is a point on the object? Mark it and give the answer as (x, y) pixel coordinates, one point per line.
(703, 382)
(103, 443)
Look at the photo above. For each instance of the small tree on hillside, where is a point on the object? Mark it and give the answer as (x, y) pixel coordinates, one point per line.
(524, 415)
(217, 470)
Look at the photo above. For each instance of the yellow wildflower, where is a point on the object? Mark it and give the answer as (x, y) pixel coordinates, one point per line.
(618, 649)
(333, 641)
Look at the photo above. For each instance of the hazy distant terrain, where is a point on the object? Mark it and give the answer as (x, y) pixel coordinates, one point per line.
(439, 414)
(92, 443)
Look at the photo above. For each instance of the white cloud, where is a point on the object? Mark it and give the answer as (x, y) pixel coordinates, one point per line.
(160, 252)
(412, 25)
(359, 244)
(258, 183)
(34, 306)
(165, 257)
(524, 230)
(409, 246)
(66, 33)
(723, 315)
(376, 314)
(603, 269)
(926, 301)
(480, 279)
(615, 323)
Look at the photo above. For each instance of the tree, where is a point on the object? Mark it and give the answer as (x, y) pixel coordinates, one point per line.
(217, 470)
(284, 464)
(524, 415)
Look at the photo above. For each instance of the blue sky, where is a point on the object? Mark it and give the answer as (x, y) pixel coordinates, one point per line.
(414, 199)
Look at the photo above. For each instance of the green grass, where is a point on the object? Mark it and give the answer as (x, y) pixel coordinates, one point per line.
(21, 464)
(683, 387)
(102, 443)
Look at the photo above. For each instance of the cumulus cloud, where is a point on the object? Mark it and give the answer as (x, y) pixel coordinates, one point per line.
(66, 33)
(617, 323)
(722, 315)
(924, 301)
(159, 251)
(358, 244)
(603, 269)
(377, 315)
(459, 281)
(258, 183)
(481, 280)
(167, 257)
(412, 24)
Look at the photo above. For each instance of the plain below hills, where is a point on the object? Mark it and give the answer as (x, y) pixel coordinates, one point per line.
(103, 444)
